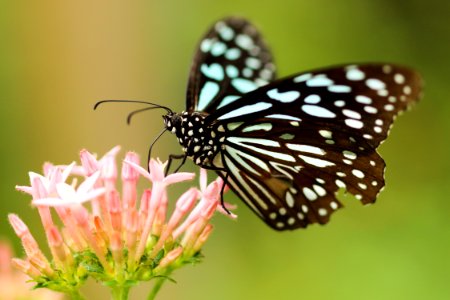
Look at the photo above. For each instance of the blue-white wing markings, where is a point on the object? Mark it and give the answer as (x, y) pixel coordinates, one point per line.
(244, 189)
(260, 198)
(283, 203)
(333, 98)
(267, 147)
(305, 154)
(231, 60)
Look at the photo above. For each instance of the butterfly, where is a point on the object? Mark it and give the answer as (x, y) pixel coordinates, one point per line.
(286, 146)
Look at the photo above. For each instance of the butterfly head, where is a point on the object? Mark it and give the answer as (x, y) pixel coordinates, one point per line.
(172, 121)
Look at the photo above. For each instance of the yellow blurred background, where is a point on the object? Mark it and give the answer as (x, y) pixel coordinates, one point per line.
(57, 58)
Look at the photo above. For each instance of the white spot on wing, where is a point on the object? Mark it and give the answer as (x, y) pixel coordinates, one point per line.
(214, 71)
(309, 194)
(262, 126)
(302, 77)
(319, 190)
(285, 97)
(339, 89)
(289, 199)
(253, 63)
(354, 123)
(358, 173)
(227, 100)
(233, 54)
(306, 148)
(247, 109)
(312, 99)
(232, 71)
(319, 80)
(320, 163)
(208, 92)
(399, 78)
(354, 74)
(339, 103)
(363, 99)
(218, 48)
(284, 117)
(325, 133)
(206, 44)
(244, 41)
(370, 109)
(318, 111)
(243, 85)
(351, 114)
(375, 84)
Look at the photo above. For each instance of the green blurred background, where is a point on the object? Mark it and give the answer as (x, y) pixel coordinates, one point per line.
(58, 57)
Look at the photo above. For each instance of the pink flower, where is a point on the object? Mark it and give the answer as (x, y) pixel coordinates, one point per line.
(13, 284)
(118, 238)
(66, 195)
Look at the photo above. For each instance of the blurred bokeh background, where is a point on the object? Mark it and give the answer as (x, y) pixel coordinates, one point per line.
(58, 57)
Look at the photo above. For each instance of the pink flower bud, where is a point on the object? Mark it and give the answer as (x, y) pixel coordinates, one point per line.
(89, 162)
(171, 257)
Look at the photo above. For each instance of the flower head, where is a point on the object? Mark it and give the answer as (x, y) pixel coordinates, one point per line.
(117, 239)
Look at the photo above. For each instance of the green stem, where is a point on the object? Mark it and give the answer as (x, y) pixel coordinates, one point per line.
(158, 284)
(120, 292)
(76, 295)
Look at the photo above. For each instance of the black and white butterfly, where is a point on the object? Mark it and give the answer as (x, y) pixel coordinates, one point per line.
(286, 146)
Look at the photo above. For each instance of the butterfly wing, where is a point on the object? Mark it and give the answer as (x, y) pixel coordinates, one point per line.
(231, 60)
(292, 144)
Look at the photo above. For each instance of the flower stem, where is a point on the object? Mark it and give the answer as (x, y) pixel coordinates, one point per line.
(120, 292)
(76, 295)
(158, 284)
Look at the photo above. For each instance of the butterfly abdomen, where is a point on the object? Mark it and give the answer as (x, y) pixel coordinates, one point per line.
(200, 141)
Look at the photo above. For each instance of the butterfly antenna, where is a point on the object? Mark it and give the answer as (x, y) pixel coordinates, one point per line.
(151, 147)
(131, 114)
(133, 101)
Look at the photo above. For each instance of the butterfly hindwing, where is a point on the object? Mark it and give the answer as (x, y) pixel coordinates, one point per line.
(231, 60)
(292, 144)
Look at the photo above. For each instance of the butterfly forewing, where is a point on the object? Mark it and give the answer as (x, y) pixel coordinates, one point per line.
(292, 144)
(231, 60)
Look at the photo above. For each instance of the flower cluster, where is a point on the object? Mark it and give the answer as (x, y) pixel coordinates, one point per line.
(13, 284)
(117, 239)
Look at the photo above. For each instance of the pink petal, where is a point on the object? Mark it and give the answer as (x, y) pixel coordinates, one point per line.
(49, 202)
(129, 173)
(66, 192)
(47, 167)
(178, 177)
(91, 195)
(156, 170)
(40, 187)
(138, 168)
(67, 171)
(25, 189)
(212, 192)
(89, 162)
(34, 175)
(89, 183)
(113, 152)
(203, 179)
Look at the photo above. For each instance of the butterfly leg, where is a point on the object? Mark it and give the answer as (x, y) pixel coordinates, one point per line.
(222, 202)
(173, 157)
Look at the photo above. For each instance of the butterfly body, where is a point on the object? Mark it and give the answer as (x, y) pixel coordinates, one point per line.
(199, 140)
(286, 146)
